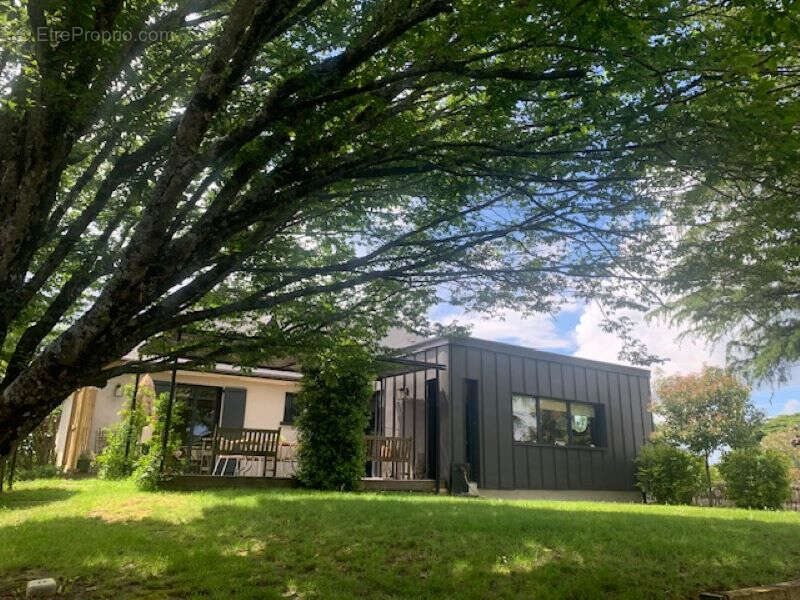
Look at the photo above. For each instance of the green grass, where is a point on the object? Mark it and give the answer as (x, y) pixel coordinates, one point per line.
(102, 539)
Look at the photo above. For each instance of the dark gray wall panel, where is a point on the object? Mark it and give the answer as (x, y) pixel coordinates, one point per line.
(500, 372)
(581, 385)
(517, 375)
(490, 419)
(458, 373)
(542, 378)
(531, 377)
(568, 382)
(504, 424)
(521, 480)
(556, 380)
(574, 469)
(548, 465)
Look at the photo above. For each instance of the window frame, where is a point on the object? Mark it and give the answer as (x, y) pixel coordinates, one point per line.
(600, 417)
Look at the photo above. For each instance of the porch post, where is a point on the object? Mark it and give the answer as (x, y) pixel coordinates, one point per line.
(132, 409)
(437, 428)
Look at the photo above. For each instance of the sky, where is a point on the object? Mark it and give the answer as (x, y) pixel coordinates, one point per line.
(576, 331)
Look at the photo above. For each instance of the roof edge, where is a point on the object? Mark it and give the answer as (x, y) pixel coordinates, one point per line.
(507, 348)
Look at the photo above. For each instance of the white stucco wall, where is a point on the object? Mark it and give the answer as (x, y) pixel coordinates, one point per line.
(107, 406)
(265, 397)
(263, 406)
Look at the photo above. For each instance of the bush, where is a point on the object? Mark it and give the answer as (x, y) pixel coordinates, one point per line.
(337, 386)
(669, 474)
(112, 462)
(756, 478)
(37, 472)
(147, 472)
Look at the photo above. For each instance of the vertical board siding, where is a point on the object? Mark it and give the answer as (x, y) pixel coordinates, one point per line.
(489, 412)
(458, 362)
(548, 463)
(624, 396)
(504, 423)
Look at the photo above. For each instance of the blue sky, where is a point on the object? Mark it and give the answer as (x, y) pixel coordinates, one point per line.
(576, 331)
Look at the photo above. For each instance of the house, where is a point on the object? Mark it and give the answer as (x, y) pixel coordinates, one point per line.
(506, 417)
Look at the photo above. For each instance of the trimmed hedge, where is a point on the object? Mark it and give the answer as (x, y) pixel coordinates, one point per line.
(756, 478)
(669, 474)
(337, 386)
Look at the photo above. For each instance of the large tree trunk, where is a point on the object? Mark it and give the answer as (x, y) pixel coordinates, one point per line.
(33, 395)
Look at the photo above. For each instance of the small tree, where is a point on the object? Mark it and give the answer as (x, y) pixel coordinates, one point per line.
(756, 478)
(707, 411)
(123, 450)
(337, 386)
(669, 474)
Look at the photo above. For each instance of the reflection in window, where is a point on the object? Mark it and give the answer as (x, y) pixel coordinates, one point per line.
(585, 431)
(554, 422)
(524, 411)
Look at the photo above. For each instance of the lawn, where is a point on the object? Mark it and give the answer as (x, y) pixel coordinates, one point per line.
(102, 539)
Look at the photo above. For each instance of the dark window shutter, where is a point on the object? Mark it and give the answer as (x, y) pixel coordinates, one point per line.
(162, 387)
(289, 409)
(233, 403)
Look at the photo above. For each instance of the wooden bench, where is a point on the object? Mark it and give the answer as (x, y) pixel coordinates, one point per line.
(247, 442)
(394, 450)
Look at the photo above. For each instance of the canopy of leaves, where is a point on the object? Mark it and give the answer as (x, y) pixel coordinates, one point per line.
(733, 262)
(706, 411)
(265, 174)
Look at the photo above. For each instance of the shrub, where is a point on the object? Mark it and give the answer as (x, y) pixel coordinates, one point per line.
(112, 462)
(37, 472)
(147, 472)
(669, 474)
(337, 386)
(756, 478)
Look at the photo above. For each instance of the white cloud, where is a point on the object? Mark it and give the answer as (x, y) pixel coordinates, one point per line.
(790, 407)
(536, 331)
(683, 355)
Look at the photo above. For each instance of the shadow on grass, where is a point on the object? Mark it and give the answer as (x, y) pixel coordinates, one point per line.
(300, 544)
(18, 499)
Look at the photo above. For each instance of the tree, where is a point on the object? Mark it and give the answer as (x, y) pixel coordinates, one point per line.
(260, 174)
(732, 260)
(781, 434)
(706, 411)
(333, 405)
(669, 474)
(756, 478)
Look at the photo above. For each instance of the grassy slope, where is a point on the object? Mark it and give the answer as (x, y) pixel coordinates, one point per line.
(108, 540)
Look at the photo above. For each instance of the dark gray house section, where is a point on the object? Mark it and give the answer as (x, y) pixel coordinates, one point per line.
(488, 386)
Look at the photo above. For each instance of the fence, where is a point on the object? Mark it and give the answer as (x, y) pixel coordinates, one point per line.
(718, 498)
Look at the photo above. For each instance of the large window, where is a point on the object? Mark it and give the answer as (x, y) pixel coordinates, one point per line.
(554, 422)
(524, 418)
(557, 422)
(585, 426)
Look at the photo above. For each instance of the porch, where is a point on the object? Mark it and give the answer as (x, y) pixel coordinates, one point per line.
(400, 440)
(205, 482)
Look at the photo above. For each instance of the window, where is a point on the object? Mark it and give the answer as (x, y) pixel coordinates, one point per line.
(524, 409)
(557, 422)
(554, 422)
(585, 425)
(289, 409)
